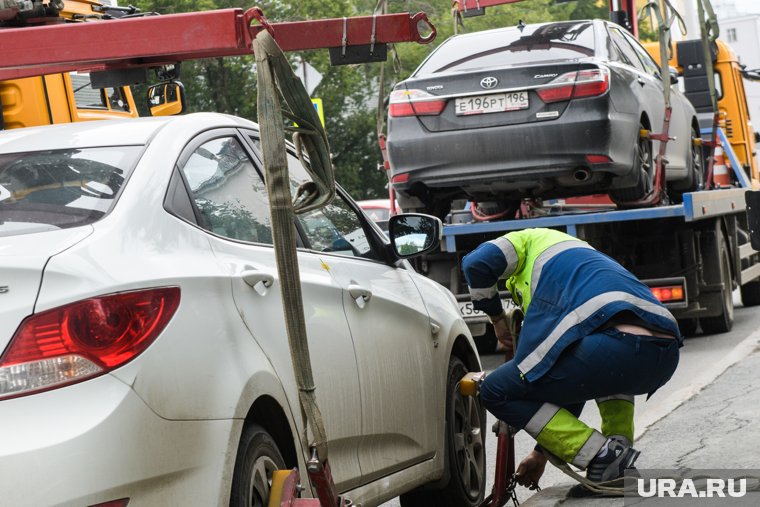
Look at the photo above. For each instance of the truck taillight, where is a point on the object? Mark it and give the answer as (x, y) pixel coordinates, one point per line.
(414, 103)
(575, 85)
(84, 339)
(668, 294)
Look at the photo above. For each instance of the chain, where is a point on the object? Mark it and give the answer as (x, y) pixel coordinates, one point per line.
(510, 489)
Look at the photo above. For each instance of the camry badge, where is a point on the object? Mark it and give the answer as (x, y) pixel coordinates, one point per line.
(489, 82)
(4, 289)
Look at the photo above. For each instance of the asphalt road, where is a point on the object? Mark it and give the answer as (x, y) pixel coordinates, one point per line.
(701, 362)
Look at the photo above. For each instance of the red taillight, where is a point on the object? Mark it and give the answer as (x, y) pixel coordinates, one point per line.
(574, 85)
(668, 294)
(414, 103)
(598, 159)
(400, 178)
(84, 339)
(121, 502)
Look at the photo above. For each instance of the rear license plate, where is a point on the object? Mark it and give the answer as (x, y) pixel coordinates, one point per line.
(466, 309)
(496, 103)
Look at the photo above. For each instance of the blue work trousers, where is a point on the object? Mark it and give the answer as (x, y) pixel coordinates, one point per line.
(606, 363)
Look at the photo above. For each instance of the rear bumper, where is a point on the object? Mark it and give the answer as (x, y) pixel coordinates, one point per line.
(97, 441)
(515, 156)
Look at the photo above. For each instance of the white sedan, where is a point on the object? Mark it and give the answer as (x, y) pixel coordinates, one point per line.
(145, 360)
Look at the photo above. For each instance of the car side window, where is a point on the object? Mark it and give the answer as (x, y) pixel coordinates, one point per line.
(335, 228)
(228, 192)
(625, 49)
(646, 59)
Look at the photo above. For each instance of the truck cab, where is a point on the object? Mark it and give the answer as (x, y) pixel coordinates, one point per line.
(58, 98)
(688, 59)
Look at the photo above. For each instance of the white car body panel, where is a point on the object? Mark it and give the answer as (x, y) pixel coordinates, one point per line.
(164, 428)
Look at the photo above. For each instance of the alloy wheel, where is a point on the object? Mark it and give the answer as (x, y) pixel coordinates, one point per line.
(468, 444)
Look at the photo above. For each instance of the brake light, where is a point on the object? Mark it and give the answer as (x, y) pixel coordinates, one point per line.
(84, 339)
(668, 294)
(598, 159)
(400, 178)
(575, 85)
(414, 103)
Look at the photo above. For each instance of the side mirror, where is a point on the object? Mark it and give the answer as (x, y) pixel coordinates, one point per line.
(673, 75)
(166, 99)
(414, 234)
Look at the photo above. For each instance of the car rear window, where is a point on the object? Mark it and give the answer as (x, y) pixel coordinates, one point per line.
(512, 46)
(61, 189)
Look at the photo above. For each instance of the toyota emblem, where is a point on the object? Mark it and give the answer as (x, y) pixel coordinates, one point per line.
(489, 82)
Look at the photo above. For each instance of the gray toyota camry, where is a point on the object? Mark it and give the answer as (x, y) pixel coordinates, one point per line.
(547, 110)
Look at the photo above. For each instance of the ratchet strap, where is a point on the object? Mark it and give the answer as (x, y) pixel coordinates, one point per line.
(276, 83)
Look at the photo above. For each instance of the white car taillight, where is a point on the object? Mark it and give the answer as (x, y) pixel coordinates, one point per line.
(575, 85)
(84, 339)
(414, 103)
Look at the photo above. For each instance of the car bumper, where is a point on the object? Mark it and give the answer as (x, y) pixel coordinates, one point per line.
(97, 441)
(514, 156)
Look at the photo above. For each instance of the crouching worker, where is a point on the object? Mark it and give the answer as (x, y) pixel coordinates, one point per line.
(591, 331)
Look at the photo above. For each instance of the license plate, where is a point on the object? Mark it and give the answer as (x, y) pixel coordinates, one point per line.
(496, 103)
(467, 310)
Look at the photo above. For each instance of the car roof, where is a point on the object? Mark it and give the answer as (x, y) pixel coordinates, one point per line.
(131, 131)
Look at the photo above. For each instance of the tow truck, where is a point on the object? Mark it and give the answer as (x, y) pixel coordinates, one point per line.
(692, 254)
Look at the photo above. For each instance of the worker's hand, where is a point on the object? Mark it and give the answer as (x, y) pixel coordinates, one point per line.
(501, 329)
(531, 469)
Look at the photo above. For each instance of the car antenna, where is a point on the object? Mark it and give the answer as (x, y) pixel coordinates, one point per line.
(520, 25)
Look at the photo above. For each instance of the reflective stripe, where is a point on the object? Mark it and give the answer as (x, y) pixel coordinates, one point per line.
(481, 294)
(583, 312)
(508, 249)
(623, 397)
(546, 256)
(540, 419)
(589, 450)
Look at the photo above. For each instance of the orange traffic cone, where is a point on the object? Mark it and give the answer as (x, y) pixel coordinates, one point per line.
(721, 178)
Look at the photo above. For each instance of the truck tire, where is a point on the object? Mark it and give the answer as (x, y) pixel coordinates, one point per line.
(723, 322)
(688, 327)
(643, 169)
(257, 458)
(750, 292)
(464, 447)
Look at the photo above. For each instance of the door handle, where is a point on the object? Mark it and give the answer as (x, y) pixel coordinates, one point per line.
(258, 280)
(359, 294)
(641, 81)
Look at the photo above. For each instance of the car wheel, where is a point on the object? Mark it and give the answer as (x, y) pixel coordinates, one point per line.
(723, 322)
(465, 450)
(695, 169)
(257, 459)
(643, 170)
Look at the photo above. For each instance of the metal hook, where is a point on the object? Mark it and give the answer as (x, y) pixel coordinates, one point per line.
(421, 16)
(257, 14)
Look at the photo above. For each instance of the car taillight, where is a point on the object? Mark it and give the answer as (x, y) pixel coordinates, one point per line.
(84, 339)
(414, 103)
(574, 85)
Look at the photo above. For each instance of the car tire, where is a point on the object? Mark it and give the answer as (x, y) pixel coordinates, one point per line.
(464, 447)
(257, 458)
(695, 165)
(643, 171)
(724, 321)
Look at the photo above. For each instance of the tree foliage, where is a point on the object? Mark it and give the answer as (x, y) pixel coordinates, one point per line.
(349, 93)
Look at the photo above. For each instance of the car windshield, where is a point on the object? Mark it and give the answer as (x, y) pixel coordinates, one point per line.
(512, 46)
(61, 189)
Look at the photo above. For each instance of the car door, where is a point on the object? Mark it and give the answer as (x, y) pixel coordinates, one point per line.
(230, 202)
(391, 331)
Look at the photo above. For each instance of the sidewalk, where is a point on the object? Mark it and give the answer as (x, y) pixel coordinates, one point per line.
(716, 429)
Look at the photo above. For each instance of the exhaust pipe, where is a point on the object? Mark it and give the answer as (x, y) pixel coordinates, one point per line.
(581, 174)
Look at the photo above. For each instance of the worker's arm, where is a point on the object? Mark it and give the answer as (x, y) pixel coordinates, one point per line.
(482, 268)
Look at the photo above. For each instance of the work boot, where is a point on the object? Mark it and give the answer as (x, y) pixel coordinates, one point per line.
(608, 466)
